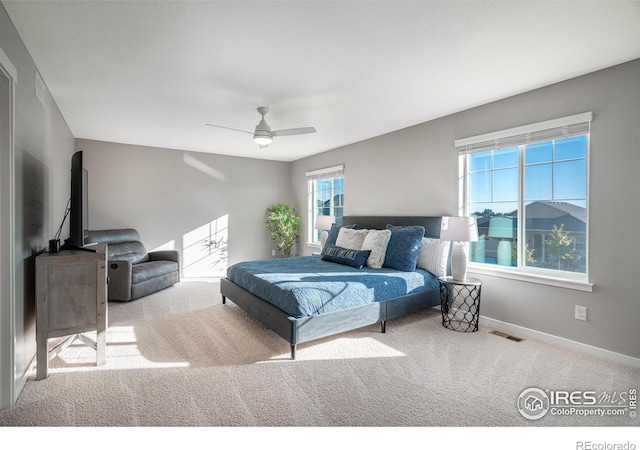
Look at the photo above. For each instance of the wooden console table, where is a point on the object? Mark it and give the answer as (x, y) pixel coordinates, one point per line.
(71, 299)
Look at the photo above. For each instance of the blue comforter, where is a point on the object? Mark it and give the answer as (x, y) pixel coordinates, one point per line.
(306, 285)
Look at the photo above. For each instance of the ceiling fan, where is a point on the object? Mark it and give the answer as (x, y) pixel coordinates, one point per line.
(263, 136)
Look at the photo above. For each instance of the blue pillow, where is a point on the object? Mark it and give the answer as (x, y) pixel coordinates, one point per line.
(404, 247)
(333, 235)
(340, 255)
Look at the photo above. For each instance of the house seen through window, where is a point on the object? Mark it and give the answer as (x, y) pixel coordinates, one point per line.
(326, 198)
(528, 188)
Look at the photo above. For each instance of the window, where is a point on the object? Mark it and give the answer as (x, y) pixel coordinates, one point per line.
(528, 188)
(326, 197)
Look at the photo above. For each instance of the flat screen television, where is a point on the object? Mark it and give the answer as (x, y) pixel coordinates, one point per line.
(79, 204)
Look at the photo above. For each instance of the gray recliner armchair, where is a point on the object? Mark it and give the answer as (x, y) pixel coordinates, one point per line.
(134, 272)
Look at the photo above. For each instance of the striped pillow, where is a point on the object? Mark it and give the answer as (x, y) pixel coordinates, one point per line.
(434, 255)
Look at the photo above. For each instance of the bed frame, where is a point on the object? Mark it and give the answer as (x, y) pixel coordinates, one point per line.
(298, 330)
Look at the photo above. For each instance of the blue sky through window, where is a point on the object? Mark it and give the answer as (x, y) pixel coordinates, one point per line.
(554, 170)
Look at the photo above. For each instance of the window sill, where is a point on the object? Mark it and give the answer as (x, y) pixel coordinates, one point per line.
(529, 277)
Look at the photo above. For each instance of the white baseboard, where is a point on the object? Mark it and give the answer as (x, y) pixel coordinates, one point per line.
(559, 341)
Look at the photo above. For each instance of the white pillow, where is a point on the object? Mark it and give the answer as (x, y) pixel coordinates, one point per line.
(351, 239)
(434, 255)
(376, 241)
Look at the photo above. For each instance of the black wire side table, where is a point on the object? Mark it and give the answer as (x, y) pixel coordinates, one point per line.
(460, 303)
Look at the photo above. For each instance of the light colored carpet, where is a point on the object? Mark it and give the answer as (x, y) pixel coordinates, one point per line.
(179, 358)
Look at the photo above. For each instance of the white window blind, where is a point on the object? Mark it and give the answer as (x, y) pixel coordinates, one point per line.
(541, 131)
(329, 172)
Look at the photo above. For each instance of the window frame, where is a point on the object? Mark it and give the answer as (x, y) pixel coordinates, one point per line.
(313, 176)
(520, 137)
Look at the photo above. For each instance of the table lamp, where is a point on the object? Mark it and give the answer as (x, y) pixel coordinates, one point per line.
(502, 227)
(459, 230)
(324, 223)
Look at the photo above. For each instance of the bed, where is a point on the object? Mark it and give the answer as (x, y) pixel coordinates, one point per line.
(303, 298)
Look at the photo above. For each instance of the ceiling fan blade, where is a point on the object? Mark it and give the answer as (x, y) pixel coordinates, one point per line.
(293, 131)
(228, 128)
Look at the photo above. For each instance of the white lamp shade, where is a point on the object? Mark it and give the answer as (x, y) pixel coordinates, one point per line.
(464, 229)
(324, 222)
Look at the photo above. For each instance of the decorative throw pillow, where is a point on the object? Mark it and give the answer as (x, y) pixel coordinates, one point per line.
(353, 258)
(434, 255)
(376, 241)
(351, 239)
(404, 247)
(333, 234)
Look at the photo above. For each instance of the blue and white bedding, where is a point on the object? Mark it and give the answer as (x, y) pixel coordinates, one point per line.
(306, 285)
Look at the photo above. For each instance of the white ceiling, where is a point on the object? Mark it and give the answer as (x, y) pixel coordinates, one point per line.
(154, 72)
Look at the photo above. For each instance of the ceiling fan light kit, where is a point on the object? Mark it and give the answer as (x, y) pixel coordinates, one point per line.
(263, 136)
(262, 139)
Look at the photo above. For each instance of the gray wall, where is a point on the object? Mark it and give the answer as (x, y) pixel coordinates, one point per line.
(43, 148)
(415, 171)
(166, 194)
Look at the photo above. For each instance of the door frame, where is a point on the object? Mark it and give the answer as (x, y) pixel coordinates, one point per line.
(9, 384)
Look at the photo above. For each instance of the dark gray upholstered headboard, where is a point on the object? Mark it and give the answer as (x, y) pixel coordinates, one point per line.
(431, 225)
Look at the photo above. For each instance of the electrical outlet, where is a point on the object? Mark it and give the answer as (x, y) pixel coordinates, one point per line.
(273, 253)
(581, 313)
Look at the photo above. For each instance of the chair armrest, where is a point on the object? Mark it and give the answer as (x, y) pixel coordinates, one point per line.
(119, 286)
(165, 255)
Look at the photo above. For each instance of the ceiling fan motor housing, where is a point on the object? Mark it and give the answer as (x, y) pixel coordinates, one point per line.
(262, 134)
(263, 129)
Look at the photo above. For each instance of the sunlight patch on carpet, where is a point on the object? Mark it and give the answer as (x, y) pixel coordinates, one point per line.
(123, 353)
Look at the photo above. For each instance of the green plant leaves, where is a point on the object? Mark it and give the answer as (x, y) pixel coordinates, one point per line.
(283, 222)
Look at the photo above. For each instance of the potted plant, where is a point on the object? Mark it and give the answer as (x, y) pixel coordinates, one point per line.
(283, 222)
